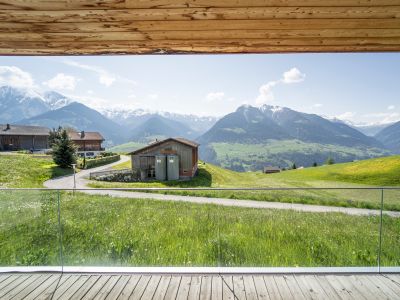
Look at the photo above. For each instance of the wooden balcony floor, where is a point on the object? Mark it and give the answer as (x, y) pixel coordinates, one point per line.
(136, 286)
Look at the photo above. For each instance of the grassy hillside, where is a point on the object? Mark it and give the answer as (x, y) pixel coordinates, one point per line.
(383, 171)
(373, 172)
(252, 157)
(24, 170)
(126, 148)
(137, 232)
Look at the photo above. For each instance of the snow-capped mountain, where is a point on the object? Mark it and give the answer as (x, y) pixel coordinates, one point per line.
(56, 100)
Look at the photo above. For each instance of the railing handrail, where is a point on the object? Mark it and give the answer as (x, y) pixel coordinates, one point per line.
(204, 189)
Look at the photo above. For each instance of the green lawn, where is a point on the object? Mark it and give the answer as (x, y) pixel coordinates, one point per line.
(25, 170)
(373, 172)
(133, 232)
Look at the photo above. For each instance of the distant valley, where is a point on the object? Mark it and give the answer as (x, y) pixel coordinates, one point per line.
(247, 139)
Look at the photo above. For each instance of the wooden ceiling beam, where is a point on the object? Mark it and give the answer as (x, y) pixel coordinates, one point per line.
(147, 4)
(189, 14)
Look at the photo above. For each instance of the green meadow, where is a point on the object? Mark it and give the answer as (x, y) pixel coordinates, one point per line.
(28, 171)
(97, 230)
(376, 172)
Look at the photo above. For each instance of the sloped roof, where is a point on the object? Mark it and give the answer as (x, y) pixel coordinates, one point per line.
(23, 130)
(178, 139)
(88, 136)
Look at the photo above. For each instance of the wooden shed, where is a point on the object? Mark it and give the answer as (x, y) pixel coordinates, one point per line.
(145, 160)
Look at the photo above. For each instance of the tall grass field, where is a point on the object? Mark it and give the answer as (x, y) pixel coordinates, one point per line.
(99, 231)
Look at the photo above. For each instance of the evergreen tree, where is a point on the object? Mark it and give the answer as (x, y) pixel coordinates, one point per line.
(330, 161)
(54, 136)
(64, 151)
(315, 164)
(294, 167)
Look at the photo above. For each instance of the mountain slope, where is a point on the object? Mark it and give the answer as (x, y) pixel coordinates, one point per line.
(390, 137)
(17, 104)
(251, 138)
(159, 127)
(80, 117)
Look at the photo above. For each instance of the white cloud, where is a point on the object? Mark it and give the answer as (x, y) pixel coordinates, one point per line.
(265, 91)
(132, 96)
(105, 77)
(90, 92)
(61, 82)
(153, 96)
(293, 76)
(317, 105)
(215, 96)
(385, 117)
(14, 76)
(391, 107)
(348, 116)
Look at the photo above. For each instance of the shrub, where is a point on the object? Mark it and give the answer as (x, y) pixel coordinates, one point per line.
(96, 162)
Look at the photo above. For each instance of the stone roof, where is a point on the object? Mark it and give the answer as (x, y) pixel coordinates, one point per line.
(86, 136)
(10, 129)
(157, 143)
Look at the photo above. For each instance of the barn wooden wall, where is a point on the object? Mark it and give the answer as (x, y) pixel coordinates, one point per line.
(34, 27)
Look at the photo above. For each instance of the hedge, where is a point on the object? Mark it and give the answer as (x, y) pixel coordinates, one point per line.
(97, 162)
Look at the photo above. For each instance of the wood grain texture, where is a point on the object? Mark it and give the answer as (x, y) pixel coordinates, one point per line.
(39, 27)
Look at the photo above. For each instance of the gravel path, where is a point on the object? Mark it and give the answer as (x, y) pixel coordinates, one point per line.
(67, 182)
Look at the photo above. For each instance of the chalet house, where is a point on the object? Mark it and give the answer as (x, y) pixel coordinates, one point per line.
(270, 170)
(169, 159)
(21, 137)
(87, 141)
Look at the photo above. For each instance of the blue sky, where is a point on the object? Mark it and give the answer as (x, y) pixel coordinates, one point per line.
(358, 87)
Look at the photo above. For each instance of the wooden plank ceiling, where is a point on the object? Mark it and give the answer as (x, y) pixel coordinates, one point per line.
(56, 27)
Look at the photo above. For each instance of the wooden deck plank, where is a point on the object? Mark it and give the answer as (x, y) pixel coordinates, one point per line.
(129, 287)
(19, 281)
(81, 292)
(238, 287)
(272, 288)
(332, 294)
(283, 287)
(103, 293)
(184, 288)
(205, 290)
(261, 289)
(29, 285)
(140, 287)
(216, 287)
(9, 280)
(4, 277)
(162, 287)
(195, 285)
(348, 283)
(96, 287)
(338, 287)
(118, 287)
(47, 290)
(227, 287)
(173, 287)
(151, 287)
(294, 287)
(68, 294)
(62, 288)
(394, 287)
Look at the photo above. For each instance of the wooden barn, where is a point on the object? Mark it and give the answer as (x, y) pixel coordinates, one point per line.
(21, 137)
(169, 159)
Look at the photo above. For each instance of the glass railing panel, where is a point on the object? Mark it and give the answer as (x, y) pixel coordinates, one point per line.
(99, 230)
(390, 243)
(302, 236)
(29, 230)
